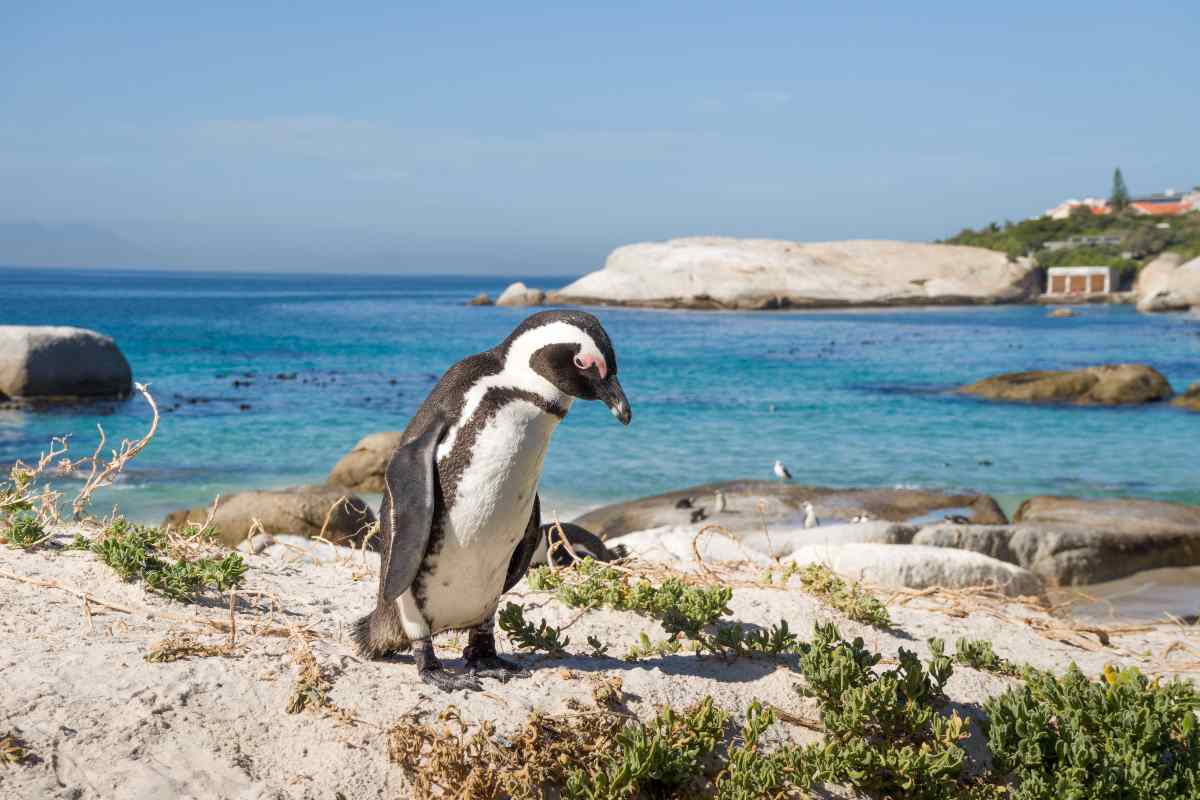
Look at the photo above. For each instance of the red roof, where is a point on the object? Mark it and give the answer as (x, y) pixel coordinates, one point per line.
(1163, 209)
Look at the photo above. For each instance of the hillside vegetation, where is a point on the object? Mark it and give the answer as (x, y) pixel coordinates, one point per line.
(1141, 239)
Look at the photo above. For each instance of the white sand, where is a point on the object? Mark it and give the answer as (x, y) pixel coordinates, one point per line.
(105, 723)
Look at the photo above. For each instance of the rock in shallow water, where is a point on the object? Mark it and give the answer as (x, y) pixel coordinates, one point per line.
(46, 362)
(1189, 399)
(710, 272)
(518, 294)
(1109, 384)
(362, 468)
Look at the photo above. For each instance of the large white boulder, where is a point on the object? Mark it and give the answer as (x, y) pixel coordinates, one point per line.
(920, 567)
(1168, 283)
(718, 272)
(518, 294)
(42, 361)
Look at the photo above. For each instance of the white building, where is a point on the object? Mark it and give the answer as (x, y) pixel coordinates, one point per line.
(1080, 280)
(1098, 205)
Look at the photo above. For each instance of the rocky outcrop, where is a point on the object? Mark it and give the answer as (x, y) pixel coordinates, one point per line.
(1110, 384)
(1168, 283)
(919, 567)
(1061, 313)
(362, 468)
(61, 363)
(480, 299)
(724, 273)
(519, 295)
(1189, 399)
(749, 504)
(1070, 541)
(308, 511)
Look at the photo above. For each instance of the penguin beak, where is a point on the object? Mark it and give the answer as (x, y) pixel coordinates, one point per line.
(609, 390)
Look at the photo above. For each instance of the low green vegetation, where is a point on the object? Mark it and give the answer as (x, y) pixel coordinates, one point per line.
(529, 637)
(1121, 738)
(23, 531)
(978, 654)
(849, 598)
(165, 563)
(14, 751)
(1141, 239)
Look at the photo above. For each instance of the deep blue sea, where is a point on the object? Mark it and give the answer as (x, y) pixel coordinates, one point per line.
(845, 398)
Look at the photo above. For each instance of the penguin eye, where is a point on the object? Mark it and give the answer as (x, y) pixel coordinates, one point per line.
(582, 362)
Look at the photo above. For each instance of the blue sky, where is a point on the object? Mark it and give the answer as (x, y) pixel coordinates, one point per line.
(536, 138)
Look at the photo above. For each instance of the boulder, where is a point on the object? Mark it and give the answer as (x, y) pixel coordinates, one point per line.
(1117, 514)
(1060, 313)
(1109, 384)
(307, 511)
(1069, 541)
(674, 544)
(722, 273)
(782, 542)
(518, 294)
(480, 299)
(45, 362)
(920, 567)
(1189, 399)
(1168, 283)
(362, 468)
(750, 504)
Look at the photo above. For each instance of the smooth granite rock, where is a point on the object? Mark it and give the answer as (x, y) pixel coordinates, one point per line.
(302, 510)
(1189, 399)
(1109, 384)
(920, 567)
(362, 468)
(1168, 283)
(46, 363)
(712, 272)
(1071, 541)
(750, 504)
(518, 294)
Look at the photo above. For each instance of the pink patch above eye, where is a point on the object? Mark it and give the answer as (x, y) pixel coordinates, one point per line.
(585, 361)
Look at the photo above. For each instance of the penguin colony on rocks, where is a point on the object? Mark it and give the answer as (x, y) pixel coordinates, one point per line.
(459, 521)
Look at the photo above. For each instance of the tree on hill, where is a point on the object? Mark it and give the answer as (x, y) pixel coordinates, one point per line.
(1119, 198)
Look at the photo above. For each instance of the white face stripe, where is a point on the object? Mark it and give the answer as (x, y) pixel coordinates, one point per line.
(517, 374)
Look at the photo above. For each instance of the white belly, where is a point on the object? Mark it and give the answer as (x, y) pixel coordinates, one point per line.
(488, 517)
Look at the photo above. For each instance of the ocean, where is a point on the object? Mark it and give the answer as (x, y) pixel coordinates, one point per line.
(844, 398)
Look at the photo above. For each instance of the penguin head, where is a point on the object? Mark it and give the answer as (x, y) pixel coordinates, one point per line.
(571, 351)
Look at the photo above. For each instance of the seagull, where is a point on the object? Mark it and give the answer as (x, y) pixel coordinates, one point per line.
(720, 501)
(781, 471)
(810, 516)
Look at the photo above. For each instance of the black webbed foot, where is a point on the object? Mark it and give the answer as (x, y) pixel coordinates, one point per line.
(481, 658)
(496, 667)
(431, 671)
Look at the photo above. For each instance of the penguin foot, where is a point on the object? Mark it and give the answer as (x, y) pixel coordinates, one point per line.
(440, 678)
(496, 667)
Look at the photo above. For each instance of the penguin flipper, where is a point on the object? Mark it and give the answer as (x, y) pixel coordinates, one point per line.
(409, 489)
(521, 557)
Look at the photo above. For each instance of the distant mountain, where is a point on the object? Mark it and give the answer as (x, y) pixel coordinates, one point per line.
(35, 244)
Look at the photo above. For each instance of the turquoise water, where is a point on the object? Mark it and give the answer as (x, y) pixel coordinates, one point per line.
(844, 398)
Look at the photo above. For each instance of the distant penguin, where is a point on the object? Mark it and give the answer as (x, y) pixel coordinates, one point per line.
(718, 501)
(683, 502)
(460, 517)
(810, 516)
(585, 544)
(699, 515)
(781, 471)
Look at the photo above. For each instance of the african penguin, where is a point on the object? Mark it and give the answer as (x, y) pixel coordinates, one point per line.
(460, 520)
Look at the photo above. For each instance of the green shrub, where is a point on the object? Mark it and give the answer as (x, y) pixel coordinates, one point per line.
(140, 552)
(659, 759)
(849, 598)
(978, 653)
(1120, 738)
(24, 532)
(530, 637)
